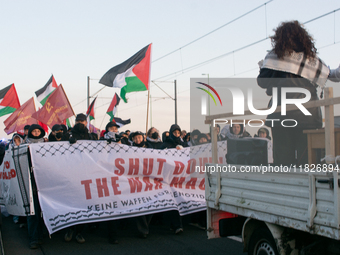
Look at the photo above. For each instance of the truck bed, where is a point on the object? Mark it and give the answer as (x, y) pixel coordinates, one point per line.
(294, 199)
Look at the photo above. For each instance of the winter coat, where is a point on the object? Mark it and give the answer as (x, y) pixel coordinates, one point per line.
(313, 121)
(153, 143)
(79, 132)
(171, 141)
(228, 133)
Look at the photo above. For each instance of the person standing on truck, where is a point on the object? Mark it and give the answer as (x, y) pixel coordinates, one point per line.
(293, 62)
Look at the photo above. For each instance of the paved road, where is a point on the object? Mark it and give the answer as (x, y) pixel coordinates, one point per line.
(159, 241)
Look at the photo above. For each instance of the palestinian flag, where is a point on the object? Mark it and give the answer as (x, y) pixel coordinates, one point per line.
(121, 122)
(43, 93)
(131, 75)
(113, 106)
(68, 123)
(9, 100)
(90, 111)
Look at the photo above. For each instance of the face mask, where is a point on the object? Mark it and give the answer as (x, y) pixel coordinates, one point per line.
(59, 135)
(111, 134)
(80, 127)
(154, 135)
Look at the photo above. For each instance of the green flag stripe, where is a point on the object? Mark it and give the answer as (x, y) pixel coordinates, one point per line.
(68, 123)
(111, 115)
(44, 100)
(6, 110)
(132, 84)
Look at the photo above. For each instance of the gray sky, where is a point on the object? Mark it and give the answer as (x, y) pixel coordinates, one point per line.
(74, 39)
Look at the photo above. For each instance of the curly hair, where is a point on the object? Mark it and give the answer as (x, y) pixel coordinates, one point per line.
(291, 36)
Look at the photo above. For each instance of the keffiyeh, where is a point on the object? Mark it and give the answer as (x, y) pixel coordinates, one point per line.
(312, 69)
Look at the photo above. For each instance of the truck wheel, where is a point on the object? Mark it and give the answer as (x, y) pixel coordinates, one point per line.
(262, 243)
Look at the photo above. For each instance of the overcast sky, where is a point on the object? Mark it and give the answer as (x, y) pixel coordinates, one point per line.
(74, 39)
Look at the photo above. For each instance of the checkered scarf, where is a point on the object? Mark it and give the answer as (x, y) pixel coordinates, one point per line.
(313, 69)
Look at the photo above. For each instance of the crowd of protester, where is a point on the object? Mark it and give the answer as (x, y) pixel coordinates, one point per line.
(175, 138)
(290, 40)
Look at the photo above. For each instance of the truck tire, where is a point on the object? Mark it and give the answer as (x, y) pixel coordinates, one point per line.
(262, 243)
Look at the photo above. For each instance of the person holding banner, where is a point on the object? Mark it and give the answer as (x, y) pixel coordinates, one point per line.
(34, 222)
(152, 139)
(171, 142)
(138, 139)
(111, 132)
(174, 139)
(17, 139)
(56, 134)
(78, 132)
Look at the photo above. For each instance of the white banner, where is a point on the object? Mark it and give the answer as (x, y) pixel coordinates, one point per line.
(95, 181)
(14, 182)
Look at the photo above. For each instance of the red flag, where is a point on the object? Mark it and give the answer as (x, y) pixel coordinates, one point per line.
(56, 109)
(20, 118)
(90, 111)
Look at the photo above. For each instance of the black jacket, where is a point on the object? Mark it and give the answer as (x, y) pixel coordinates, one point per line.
(153, 144)
(170, 144)
(79, 132)
(281, 79)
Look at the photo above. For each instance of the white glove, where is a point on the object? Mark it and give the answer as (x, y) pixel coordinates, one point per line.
(179, 147)
(334, 74)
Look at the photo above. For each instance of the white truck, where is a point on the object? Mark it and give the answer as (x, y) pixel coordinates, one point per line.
(294, 212)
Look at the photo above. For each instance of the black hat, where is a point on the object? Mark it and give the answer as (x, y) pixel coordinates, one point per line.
(174, 127)
(36, 126)
(27, 127)
(81, 117)
(136, 133)
(57, 127)
(111, 124)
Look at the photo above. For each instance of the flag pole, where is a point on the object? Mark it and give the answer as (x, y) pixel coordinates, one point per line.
(147, 111)
(67, 98)
(148, 87)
